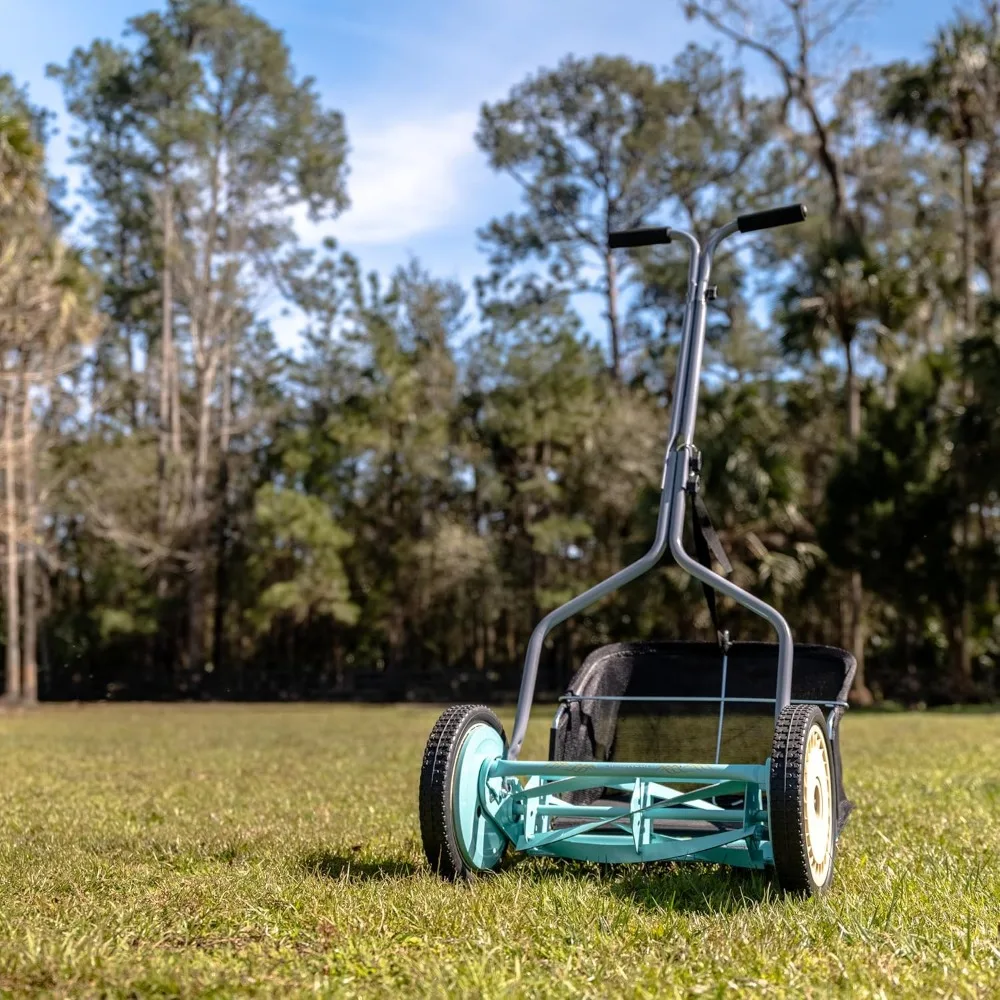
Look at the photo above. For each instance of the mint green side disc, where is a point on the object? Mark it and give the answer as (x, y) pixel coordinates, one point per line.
(480, 840)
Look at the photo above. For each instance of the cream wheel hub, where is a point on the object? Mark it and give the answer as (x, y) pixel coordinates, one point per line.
(817, 805)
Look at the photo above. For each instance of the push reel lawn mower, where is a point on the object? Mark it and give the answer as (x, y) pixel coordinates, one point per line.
(720, 752)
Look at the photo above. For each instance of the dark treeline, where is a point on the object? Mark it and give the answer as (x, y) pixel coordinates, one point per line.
(189, 510)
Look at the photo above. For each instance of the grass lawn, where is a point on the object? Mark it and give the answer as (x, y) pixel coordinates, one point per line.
(219, 851)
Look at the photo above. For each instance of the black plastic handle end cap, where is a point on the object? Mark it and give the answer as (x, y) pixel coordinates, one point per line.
(656, 236)
(771, 218)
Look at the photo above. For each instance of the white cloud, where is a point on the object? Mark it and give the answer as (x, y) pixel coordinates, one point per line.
(407, 178)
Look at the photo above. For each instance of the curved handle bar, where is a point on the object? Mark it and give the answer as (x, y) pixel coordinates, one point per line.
(770, 218)
(655, 236)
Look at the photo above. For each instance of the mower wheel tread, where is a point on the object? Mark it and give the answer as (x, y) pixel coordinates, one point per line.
(437, 823)
(785, 800)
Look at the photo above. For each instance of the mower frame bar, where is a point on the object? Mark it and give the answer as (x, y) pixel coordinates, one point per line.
(676, 476)
(711, 698)
(602, 770)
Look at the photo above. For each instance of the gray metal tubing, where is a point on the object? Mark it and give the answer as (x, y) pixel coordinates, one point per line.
(722, 705)
(783, 695)
(710, 699)
(681, 469)
(684, 357)
(689, 410)
(694, 774)
(580, 603)
(630, 572)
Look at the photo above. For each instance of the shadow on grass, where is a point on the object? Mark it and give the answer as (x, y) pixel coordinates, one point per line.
(352, 868)
(677, 888)
(704, 889)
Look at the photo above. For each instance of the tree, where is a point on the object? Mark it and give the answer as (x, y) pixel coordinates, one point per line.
(300, 544)
(45, 308)
(389, 508)
(790, 42)
(898, 506)
(230, 142)
(601, 144)
(956, 100)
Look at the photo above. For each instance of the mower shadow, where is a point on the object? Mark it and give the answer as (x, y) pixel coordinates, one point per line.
(706, 890)
(351, 868)
(665, 887)
(701, 889)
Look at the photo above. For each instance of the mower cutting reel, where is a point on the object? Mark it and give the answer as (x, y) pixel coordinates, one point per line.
(659, 751)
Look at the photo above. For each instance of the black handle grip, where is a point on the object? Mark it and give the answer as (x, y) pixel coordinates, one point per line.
(787, 215)
(639, 237)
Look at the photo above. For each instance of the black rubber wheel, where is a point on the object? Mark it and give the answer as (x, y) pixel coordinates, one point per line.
(442, 843)
(801, 801)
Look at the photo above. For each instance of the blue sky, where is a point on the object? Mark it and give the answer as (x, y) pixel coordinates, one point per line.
(410, 76)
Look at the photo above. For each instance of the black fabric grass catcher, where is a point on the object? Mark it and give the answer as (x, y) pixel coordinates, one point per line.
(611, 712)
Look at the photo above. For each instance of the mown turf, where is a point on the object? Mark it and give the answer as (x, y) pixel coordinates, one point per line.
(273, 851)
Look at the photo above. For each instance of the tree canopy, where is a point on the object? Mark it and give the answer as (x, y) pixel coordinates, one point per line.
(190, 509)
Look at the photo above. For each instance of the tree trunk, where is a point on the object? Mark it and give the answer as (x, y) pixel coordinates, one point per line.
(175, 401)
(29, 665)
(222, 522)
(199, 515)
(166, 364)
(853, 602)
(961, 658)
(991, 162)
(852, 389)
(611, 272)
(162, 645)
(991, 217)
(860, 692)
(133, 387)
(968, 244)
(13, 616)
(45, 658)
(961, 653)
